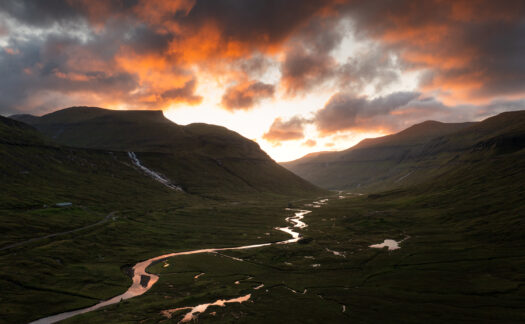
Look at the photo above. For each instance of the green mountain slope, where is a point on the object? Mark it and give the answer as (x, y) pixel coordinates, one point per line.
(55, 259)
(203, 159)
(418, 153)
(15, 132)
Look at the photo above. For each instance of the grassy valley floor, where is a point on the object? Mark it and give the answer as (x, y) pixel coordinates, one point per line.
(462, 257)
(455, 265)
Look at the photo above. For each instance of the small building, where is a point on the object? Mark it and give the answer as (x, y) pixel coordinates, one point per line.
(64, 204)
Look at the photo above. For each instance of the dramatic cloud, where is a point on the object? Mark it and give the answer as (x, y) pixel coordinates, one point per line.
(280, 130)
(246, 95)
(140, 54)
(308, 62)
(472, 50)
(376, 67)
(184, 93)
(234, 28)
(399, 110)
(303, 70)
(346, 112)
(457, 60)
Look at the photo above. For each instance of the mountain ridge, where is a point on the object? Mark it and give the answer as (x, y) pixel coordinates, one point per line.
(203, 159)
(402, 158)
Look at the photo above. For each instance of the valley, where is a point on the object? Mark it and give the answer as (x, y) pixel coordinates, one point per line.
(262, 162)
(206, 235)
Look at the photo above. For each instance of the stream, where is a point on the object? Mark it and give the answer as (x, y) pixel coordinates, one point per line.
(143, 281)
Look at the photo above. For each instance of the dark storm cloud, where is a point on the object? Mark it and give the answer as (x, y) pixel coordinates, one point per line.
(143, 40)
(46, 69)
(302, 70)
(473, 50)
(39, 70)
(245, 95)
(308, 62)
(375, 67)
(185, 93)
(252, 21)
(50, 12)
(40, 13)
(84, 66)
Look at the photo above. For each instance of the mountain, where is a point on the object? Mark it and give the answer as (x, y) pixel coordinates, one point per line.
(202, 159)
(15, 132)
(138, 130)
(91, 188)
(415, 154)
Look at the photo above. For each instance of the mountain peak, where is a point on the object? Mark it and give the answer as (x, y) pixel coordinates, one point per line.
(414, 134)
(83, 113)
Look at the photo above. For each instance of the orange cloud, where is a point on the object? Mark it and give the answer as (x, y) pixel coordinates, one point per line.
(160, 81)
(246, 94)
(152, 53)
(280, 130)
(466, 47)
(309, 143)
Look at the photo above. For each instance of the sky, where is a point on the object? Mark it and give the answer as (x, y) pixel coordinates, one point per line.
(296, 76)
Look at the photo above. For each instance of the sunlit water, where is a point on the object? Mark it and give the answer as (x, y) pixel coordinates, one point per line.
(390, 244)
(196, 310)
(143, 281)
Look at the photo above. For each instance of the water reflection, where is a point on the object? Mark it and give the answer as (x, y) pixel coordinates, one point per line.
(390, 244)
(143, 281)
(196, 310)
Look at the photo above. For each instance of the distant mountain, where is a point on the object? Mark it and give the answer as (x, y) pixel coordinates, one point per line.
(415, 154)
(202, 159)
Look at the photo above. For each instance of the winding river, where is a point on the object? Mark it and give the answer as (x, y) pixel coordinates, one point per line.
(143, 281)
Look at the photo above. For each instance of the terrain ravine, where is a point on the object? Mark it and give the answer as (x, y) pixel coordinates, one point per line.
(143, 281)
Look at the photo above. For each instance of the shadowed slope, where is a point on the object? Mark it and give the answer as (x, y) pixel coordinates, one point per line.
(203, 159)
(413, 155)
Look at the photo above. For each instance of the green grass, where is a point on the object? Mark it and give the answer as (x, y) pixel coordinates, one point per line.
(463, 260)
(417, 154)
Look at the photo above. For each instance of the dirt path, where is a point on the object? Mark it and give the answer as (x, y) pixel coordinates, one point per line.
(36, 239)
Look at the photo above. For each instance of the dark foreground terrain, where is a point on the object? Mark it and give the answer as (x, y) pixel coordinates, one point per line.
(461, 258)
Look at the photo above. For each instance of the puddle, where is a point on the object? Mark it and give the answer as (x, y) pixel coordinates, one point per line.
(199, 309)
(390, 244)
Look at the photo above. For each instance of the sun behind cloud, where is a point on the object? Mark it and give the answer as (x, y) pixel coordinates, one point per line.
(296, 76)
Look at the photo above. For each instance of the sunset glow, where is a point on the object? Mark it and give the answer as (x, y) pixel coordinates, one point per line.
(295, 76)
